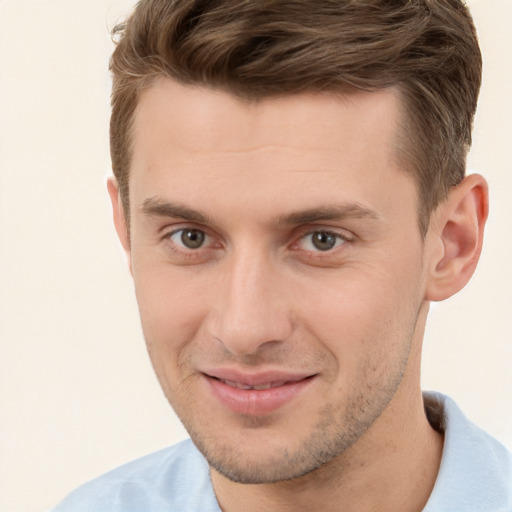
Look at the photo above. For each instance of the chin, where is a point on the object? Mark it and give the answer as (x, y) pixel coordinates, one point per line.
(265, 461)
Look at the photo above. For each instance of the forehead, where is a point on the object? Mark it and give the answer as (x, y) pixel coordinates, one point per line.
(189, 112)
(195, 142)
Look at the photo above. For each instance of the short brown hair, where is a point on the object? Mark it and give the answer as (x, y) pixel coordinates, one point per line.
(426, 49)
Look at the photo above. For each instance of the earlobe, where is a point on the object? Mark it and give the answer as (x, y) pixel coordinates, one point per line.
(119, 217)
(457, 235)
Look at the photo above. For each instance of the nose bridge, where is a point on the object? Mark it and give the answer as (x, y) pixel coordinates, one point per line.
(251, 311)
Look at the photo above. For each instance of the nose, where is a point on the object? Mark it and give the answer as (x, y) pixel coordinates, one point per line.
(250, 310)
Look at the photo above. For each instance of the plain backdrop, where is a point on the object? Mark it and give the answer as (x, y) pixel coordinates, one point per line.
(77, 393)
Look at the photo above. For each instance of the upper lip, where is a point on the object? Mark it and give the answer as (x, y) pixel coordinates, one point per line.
(259, 378)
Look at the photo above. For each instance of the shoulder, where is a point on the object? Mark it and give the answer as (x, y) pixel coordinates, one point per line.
(176, 478)
(476, 470)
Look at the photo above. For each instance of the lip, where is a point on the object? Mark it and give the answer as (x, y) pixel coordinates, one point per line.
(256, 394)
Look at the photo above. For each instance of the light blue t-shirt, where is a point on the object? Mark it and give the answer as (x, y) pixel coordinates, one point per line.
(475, 476)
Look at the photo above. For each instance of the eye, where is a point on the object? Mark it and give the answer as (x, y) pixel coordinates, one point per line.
(321, 241)
(189, 238)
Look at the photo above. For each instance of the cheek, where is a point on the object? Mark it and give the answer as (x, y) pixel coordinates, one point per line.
(167, 296)
(172, 311)
(360, 313)
(345, 303)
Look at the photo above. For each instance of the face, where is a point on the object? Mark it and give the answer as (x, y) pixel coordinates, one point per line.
(278, 269)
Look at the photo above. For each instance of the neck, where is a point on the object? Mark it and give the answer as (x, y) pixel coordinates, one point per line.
(405, 460)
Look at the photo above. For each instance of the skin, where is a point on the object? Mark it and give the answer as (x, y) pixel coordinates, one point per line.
(258, 181)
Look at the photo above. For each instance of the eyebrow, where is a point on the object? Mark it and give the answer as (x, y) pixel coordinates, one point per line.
(161, 208)
(329, 212)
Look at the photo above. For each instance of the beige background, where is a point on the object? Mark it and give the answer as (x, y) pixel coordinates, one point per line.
(77, 394)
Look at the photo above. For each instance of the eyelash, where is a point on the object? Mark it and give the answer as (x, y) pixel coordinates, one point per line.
(342, 239)
(195, 253)
(185, 252)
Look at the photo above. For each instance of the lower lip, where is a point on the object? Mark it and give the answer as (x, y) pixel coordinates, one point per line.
(257, 402)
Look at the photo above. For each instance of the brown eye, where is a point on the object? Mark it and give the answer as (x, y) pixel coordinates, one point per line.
(324, 241)
(192, 238)
(189, 238)
(321, 241)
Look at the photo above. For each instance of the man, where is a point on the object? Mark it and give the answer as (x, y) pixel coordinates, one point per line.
(290, 191)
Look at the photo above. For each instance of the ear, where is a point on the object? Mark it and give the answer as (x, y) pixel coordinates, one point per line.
(456, 234)
(119, 218)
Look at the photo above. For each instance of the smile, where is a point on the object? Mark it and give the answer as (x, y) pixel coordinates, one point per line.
(260, 387)
(256, 395)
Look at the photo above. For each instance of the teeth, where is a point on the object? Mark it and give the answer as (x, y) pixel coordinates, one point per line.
(260, 387)
(237, 385)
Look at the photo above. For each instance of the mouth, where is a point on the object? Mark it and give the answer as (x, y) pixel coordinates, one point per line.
(258, 394)
(259, 387)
